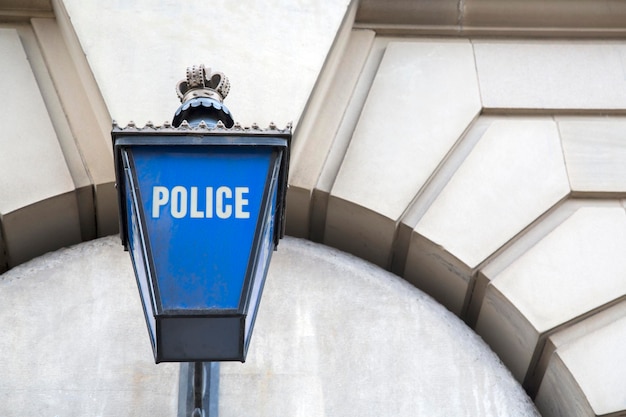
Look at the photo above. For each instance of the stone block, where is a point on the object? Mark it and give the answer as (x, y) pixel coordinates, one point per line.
(96, 158)
(535, 15)
(595, 153)
(36, 46)
(346, 228)
(517, 248)
(551, 75)
(4, 261)
(586, 370)
(298, 211)
(438, 273)
(341, 141)
(106, 209)
(38, 207)
(407, 12)
(434, 187)
(490, 199)
(316, 134)
(573, 270)
(423, 98)
(41, 227)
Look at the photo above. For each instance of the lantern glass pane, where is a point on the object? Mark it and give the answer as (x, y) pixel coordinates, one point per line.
(208, 202)
(136, 247)
(263, 257)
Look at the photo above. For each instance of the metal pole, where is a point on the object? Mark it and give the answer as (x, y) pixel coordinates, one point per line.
(198, 384)
(198, 389)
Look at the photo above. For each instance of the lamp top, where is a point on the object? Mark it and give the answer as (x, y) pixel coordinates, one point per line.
(202, 95)
(201, 128)
(201, 82)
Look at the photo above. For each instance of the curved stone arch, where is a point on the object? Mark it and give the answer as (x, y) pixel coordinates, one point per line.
(57, 184)
(522, 177)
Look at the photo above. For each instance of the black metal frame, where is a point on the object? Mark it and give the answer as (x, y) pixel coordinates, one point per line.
(185, 323)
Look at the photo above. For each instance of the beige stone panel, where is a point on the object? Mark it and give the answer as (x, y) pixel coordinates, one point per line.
(4, 260)
(25, 8)
(434, 187)
(423, 97)
(553, 18)
(595, 153)
(560, 394)
(55, 108)
(41, 227)
(551, 75)
(533, 234)
(591, 358)
(333, 90)
(490, 199)
(272, 53)
(36, 188)
(30, 5)
(95, 149)
(59, 119)
(363, 232)
(341, 141)
(549, 15)
(437, 273)
(408, 12)
(494, 193)
(84, 71)
(316, 134)
(298, 211)
(31, 161)
(576, 268)
(107, 209)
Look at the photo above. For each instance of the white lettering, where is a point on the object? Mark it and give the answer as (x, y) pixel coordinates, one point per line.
(240, 202)
(222, 210)
(209, 203)
(160, 197)
(195, 213)
(223, 202)
(179, 202)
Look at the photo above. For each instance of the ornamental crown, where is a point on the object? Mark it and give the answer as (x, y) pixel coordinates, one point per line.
(201, 82)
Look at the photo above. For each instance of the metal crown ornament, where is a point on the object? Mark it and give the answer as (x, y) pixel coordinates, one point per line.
(202, 93)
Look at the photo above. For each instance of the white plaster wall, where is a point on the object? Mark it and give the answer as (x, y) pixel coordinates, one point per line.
(335, 336)
(272, 52)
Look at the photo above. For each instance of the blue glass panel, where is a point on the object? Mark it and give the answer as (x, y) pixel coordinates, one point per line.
(136, 247)
(263, 258)
(201, 207)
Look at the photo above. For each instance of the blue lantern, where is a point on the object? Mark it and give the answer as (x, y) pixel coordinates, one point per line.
(202, 205)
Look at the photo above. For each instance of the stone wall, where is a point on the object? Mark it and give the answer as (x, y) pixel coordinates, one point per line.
(474, 148)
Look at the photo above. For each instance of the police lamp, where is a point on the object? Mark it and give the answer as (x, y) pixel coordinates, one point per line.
(202, 208)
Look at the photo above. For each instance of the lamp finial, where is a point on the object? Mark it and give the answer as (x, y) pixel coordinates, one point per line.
(202, 95)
